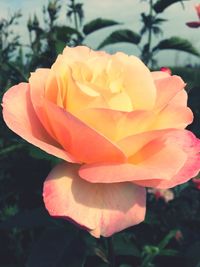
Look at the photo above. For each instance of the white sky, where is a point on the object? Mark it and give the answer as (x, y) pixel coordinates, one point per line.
(127, 12)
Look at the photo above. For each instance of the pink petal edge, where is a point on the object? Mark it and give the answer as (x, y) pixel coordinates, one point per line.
(103, 209)
(20, 117)
(191, 146)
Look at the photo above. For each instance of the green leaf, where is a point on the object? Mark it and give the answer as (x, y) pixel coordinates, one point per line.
(167, 239)
(118, 36)
(64, 33)
(123, 245)
(161, 5)
(159, 20)
(97, 24)
(177, 44)
(60, 45)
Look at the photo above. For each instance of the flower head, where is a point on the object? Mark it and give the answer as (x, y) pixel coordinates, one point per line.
(118, 127)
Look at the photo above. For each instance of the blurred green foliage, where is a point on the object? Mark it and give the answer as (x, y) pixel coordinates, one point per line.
(152, 27)
(170, 235)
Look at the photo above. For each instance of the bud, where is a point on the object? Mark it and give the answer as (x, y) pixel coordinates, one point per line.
(166, 69)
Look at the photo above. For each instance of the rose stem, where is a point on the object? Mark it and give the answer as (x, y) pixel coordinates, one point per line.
(111, 253)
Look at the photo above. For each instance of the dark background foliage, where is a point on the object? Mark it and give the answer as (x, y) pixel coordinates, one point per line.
(170, 234)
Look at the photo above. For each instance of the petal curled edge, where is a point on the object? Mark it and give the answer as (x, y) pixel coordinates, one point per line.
(101, 208)
(19, 115)
(153, 155)
(37, 82)
(159, 75)
(83, 142)
(167, 89)
(191, 146)
(172, 116)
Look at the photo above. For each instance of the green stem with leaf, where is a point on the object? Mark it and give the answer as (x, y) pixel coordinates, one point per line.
(149, 32)
(75, 15)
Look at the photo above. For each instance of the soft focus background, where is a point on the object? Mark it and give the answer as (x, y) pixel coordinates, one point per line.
(32, 34)
(126, 12)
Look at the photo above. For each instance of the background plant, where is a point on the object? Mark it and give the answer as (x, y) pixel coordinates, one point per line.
(151, 29)
(170, 235)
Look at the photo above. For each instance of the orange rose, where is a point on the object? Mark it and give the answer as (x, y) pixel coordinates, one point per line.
(120, 126)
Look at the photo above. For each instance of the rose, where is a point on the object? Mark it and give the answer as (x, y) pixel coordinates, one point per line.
(119, 127)
(166, 69)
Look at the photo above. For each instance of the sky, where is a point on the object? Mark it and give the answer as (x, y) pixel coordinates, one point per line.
(128, 13)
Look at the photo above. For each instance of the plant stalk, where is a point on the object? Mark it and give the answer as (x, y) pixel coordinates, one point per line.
(75, 15)
(111, 253)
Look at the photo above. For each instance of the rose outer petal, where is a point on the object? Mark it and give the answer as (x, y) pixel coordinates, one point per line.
(167, 89)
(153, 155)
(172, 116)
(20, 117)
(191, 146)
(83, 142)
(101, 208)
(159, 75)
(153, 168)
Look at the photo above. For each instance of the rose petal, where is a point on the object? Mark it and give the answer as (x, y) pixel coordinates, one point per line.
(37, 83)
(159, 75)
(166, 69)
(141, 91)
(121, 102)
(133, 143)
(20, 117)
(158, 159)
(180, 99)
(150, 155)
(101, 208)
(191, 146)
(74, 89)
(114, 124)
(197, 7)
(162, 155)
(80, 53)
(115, 173)
(83, 142)
(172, 116)
(167, 88)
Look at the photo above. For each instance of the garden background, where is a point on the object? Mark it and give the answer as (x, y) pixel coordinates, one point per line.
(32, 37)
